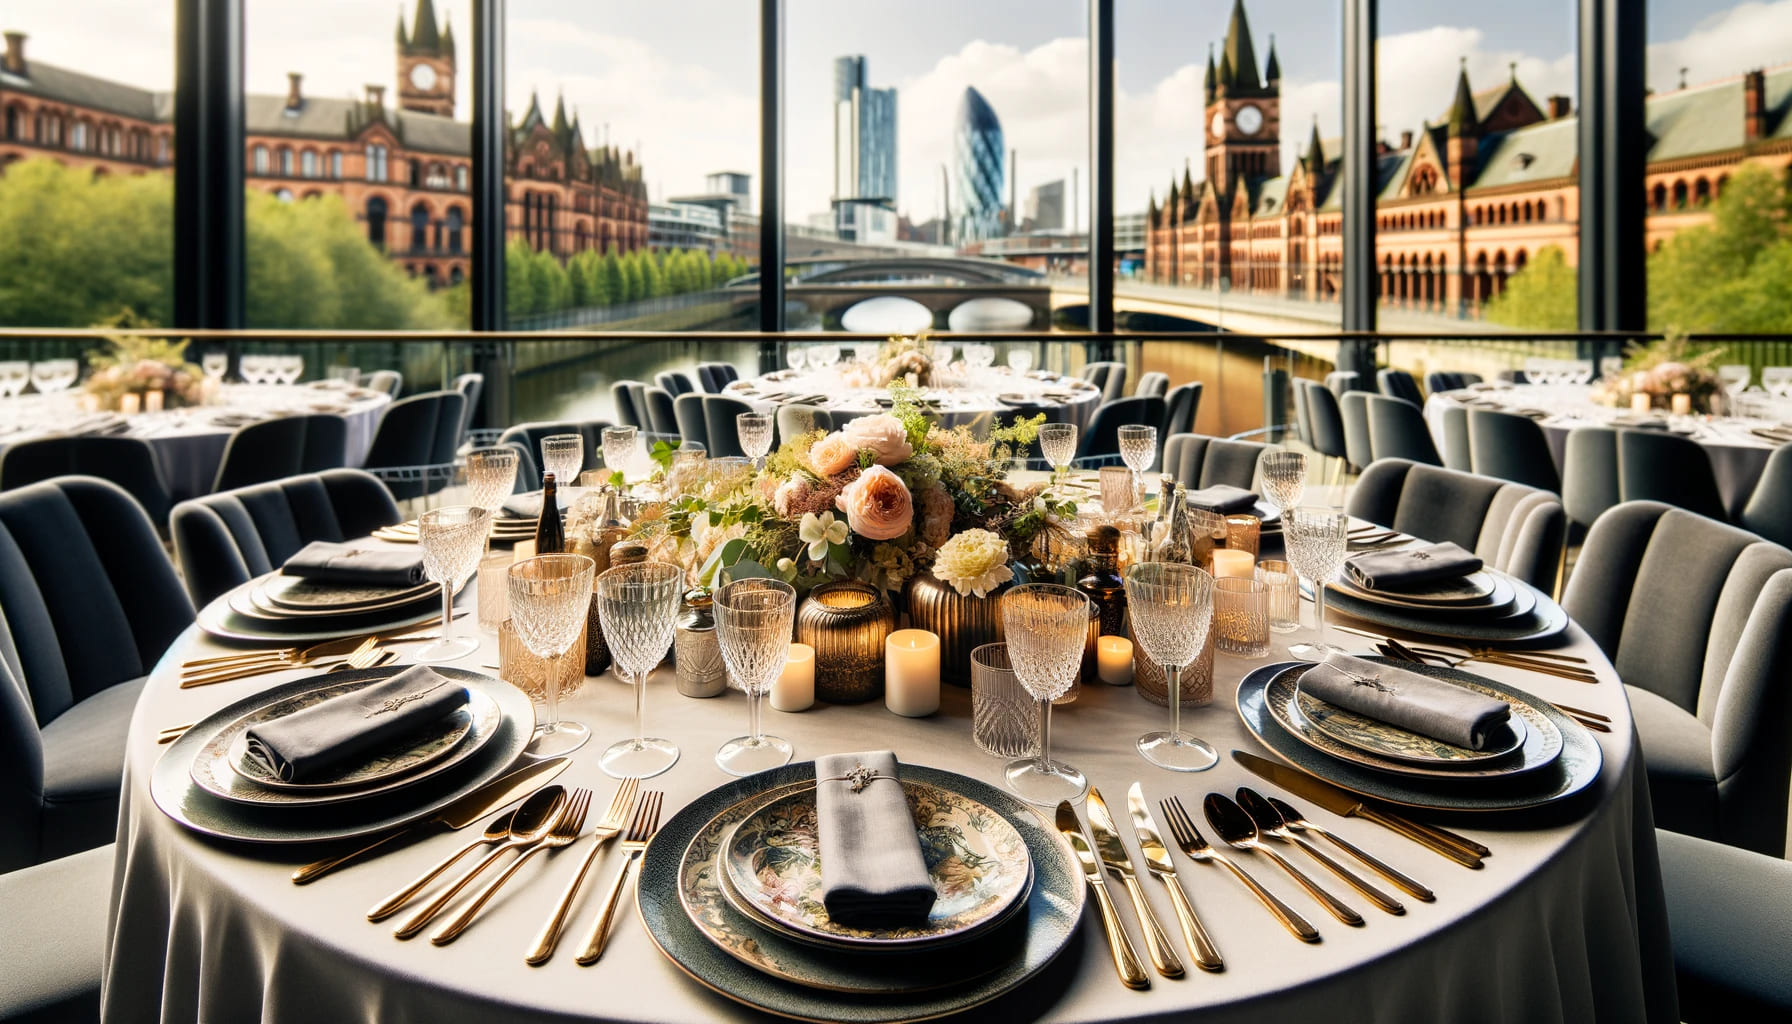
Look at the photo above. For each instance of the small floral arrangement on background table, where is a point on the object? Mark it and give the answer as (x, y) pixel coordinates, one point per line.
(1661, 370)
(908, 360)
(137, 366)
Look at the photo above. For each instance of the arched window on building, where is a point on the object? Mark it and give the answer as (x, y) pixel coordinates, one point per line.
(376, 163)
(285, 162)
(1717, 189)
(336, 164)
(376, 222)
(419, 227)
(460, 181)
(1500, 270)
(454, 275)
(13, 125)
(456, 224)
(308, 163)
(1701, 192)
(1561, 208)
(259, 159)
(1658, 197)
(77, 137)
(1680, 195)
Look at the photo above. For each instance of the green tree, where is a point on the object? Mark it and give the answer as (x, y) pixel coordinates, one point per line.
(1719, 276)
(653, 278)
(519, 284)
(579, 281)
(615, 281)
(635, 288)
(553, 289)
(1542, 296)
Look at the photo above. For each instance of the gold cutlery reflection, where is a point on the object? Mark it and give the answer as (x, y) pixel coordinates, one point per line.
(530, 824)
(607, 829)
(1298, 823)
(565, 831)
(1270, 822)
(640, 830)
(1197, 849)
(174, 732)
(496, 832)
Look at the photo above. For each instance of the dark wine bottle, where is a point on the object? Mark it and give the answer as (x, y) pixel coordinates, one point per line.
(550, 535)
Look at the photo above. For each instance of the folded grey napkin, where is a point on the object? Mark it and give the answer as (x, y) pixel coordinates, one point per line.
(872, 871)
(1221, 498)
(338, 732)
(344, 563)
(1416, 703)
(1410, 566)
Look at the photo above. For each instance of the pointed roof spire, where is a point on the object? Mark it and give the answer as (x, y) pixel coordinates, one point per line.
(1315, 150)
(1151, 208)
(1226, 76)
(1239, 51)
(560, 114)
(403, 42)
(1462, 112)
(1207, 82)
(532, 117)
(1174, 193)
(447, 37)
(1272, 69)
(1188, 182)
(424, 36)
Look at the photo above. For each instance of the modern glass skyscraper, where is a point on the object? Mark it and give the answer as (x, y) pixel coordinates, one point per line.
(980, 173)
(864, 154)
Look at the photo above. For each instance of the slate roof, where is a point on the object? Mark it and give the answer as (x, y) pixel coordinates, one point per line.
(1708, 118)
(83, 90)
(1538, 152)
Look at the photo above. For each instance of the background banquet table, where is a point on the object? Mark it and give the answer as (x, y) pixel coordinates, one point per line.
(1564, 923)
(189, 443)
(974, 397)
(1737, 456)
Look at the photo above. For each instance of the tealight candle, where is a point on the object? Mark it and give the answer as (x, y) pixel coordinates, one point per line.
(1682, 404)
(795, 688)
(1641, 402)
(152, 400)
(912, 673)
(1227, 562)
(1114, 660)
(130, 403)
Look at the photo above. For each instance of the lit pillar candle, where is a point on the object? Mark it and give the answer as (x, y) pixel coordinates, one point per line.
(152, 400)
(129, 403)
(912, 673)
(1640, 402)
(1114, 660)
(1682, 405)
(795, 688)
(1227, 562)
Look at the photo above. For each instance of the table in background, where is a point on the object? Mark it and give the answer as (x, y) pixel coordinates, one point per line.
(970, 397)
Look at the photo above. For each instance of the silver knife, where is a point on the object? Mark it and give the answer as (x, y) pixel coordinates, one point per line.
(1157, 859)
(1119, 864)
(1126, 960)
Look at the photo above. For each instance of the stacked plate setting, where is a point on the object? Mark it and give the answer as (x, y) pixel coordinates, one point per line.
(1487, 606)
(507, 528)
(294, 610)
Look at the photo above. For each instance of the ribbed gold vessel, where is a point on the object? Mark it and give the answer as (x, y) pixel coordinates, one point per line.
(1197, 679)
(847, 623)
(962, 622)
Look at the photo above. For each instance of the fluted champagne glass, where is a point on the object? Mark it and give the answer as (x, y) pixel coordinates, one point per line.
(550, 597)
(637, 606)
(755, 429)
(753, 622)
(1171, 605)
(1317, 539)
(1047, 626)
(1284, 476)
(1138, 449)
(1057, 442)
(452, 539)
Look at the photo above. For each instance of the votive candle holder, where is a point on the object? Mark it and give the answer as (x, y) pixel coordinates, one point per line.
(1241, 617)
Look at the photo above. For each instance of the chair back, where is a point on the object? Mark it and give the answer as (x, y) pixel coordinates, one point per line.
(674, 383)
(1512, 527)
(1340, 381)
(1359, 447)
(527, 437)
(1399, 384)
(1397, 430)
(1590, 473)
(1508, 446)
(1153, 383)
(282, 447)
(1457, 453)
(128, 462)
(1654, 466)
(687, 409)
(1303, 425)
(1180, 407)
(1439, 381)
(1197, 461)
(660, 414)
(419, 431)
(622, 396)
(1325, 419)
(226, 539)
(797, 420)
(718, 421)
(470, 385)
(389, 381)
(713, 377)
(1109, 376)
(1769, 508)
(1102, 436)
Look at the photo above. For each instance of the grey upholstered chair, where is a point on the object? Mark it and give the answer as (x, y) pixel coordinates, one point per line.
(470, 385)
(1457, 452)
(1359, 449)
(281, 447)
(718, 420)
(226, 539)
(1180, 406)
(527, 438)
(1769, 508)
(1102, 436)
(1653, 466)
(661, 417)
(1590, 474)
(389, 381)
(1196, 461)
(1697, 617)
(623, 398)
(88, 603)
(421, 432)
(128, 462)
(713, 377)
(1303, 424)
(1399, 384)
(1102, 375)
(674, 382)
(56, 916)
(1153, 383)
(796, 420)
(1340, 381)
(1514, 528)
(687, 409)
(1511, 447)
(1730, 916)
(1449, 380)
(1325, 420)
(1397, 430)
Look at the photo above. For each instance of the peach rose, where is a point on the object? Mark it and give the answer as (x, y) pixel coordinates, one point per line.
(833, 454)
(877, 505)
(884, 434)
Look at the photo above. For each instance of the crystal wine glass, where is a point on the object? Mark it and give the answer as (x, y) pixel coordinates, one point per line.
(619, 447)
(637, 606)
(1020, 360)
(1057, 442)
(1734, 377)
(823, 356)
(1317, 539)
(1284, 475)
(1171, 605)
(491, 477)
(563, 455)
(794, 357)
(215, 364)
(1047, 627)
(755, 429)
(550, 597)
(1138, 449)
(452, 539)
(753, 623)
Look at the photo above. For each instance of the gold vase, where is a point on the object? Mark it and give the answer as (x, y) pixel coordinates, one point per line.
(963, 622)
(847, 623)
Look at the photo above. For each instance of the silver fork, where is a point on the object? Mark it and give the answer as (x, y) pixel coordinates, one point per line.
(1189, 838)
(565, 831)
(607, 829)
(640, 829)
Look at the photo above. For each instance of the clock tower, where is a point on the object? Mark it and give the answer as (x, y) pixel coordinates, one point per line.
(1244, 122)
(426, 64)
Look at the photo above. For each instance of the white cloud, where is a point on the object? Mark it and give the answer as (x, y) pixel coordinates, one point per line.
(1723, 45)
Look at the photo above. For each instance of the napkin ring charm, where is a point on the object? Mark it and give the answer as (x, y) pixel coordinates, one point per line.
(860, 777)
(391, 704)
(1373, 682)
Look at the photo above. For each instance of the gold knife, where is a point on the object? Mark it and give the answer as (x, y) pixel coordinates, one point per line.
(1126, 959)
(1119, 864)
(1157, 859)
(1349, 805)
(459, 814)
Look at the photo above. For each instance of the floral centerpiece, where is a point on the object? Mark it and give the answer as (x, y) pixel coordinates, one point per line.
(906, 359)
(1661, 370)
(135, 366)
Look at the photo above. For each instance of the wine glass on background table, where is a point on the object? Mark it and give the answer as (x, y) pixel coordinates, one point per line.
(1171, 605)
(1138, 449)
(452, 539)
(1057, 442)
(1047, 627)
(1020, 360)
(824, 356)
(637, 607)
(550, 598)
(1284, 475)
(755, 429)
(1734, 377)
(563, 455)
(753, 623)
(215, 364)
(1317, 539)
(619, 445)
(491, 477)
(794, 358)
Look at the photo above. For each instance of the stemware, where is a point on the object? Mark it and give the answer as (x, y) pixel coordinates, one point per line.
(550, 598)
(755, 429)
(1610, 366)
(1020, 360)
(1057, 442)
(1047, 627)
(1138, 449)
(1777, 379)
(14, 375)
(753, 623)
(452, 539)
(288, 369)
(563, 455)
(491, 476)
(215, 364)
(619, 445)
(637, 607)
(1317, 539)
(1734, 377)
(53, 375)
(1284, 477)
(794, 357)
(1172, 609)
(822, 356)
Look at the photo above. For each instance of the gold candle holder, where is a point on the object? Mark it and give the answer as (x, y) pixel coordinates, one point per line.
(847, 624)
(1242, 532)
(530, 674)
(1241, 617)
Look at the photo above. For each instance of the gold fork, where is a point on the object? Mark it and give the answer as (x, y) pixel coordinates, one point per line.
(565, 831)
(640, 829)
(607, 829)
(1182, 827)
(368, 655)
(233, 671)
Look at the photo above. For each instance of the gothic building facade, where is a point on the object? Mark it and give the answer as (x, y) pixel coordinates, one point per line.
(403, 169)
(1461, 204)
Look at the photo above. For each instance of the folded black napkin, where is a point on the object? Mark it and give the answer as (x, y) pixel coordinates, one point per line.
(343, 563)
(1221, 498)
(1410, 566)
(872, 871)
(343, 730)
(1416, 703)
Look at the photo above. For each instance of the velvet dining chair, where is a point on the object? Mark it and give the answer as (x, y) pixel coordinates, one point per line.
(57, 914)
(674, 382)
(1102, 436)
(1153, 383)
(415, 443)
(389, 381)
(1399, 384)
(622, 397)
(1359, 449)
(1197, 461)
(1513, 447)
(1513, 528)
(1458, 453)
(1397, 430)
(527, 436)
(1769, 508)
(687, 410)
(1657, 466)
(723, 432)
(281, 447)
(1730, 918)
(128, 462)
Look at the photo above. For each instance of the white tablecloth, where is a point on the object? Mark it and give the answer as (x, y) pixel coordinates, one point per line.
(1564, 924)
(968, 397)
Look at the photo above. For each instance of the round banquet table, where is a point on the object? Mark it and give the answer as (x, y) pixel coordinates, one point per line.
(971, 397)
(1737, 457)
(189, 443)
(1564, 923)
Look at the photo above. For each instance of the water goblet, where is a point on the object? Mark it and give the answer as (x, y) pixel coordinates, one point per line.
(1317, 539)
(1138, 449)
(755, 429)
(563, 455)
(252, 368)
(619, 445)
(215, 364)
(452, 539)
(289, 369)
(43, 376)
(824, 355)
(550, 599)
(1610, 366)
(794, 357)
(1284, 475)
(1734, 377)
(68, 373)
(1171, 605)
(942, 355)
(1057, 442)
(753, 623)
(637, 606)
(1020, 360)
(1047, 628)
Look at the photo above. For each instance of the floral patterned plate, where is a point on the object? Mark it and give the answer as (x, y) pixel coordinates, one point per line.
(1397, 744)
(979, 864)
(299, 594)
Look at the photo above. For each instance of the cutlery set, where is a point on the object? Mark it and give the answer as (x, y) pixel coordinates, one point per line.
(224, 668)
(1562, 666)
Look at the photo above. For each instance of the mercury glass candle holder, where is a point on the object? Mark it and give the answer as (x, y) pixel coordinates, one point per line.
(1243, 531)
(1241, 617)
(847, 624)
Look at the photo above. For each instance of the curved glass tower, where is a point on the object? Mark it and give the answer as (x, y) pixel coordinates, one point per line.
(981, 172)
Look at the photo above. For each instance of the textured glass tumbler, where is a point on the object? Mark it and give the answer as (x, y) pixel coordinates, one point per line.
(1241, 617)
(1284, 595)
(494, 589)
(1004, 718)
(1243, 532)
(1117, 493)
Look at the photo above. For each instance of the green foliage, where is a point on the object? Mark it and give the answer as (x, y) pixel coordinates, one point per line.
(1544, 296)
(1729, 275)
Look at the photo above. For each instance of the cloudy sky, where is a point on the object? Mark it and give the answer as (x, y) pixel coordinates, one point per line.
(679, 78)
